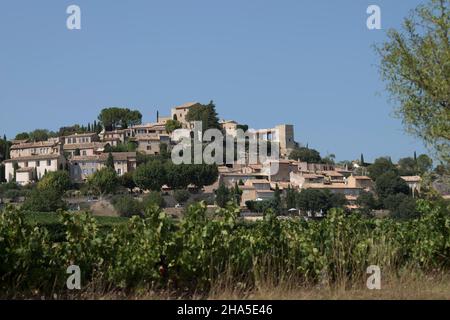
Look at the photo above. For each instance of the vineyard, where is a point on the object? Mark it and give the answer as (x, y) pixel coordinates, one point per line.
(157, 252)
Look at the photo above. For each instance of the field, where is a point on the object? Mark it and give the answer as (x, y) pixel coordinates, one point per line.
(203, 257)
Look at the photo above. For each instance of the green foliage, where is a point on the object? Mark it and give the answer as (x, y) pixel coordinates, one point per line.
(103, 181)
(390, 183)
(177, 176)
(41, 135)
(122, 147)
(315, 201)
(206, 114)
(58, 181)
(424, 164)
(152, 251)
(380, 167)
(305, 155)
(110, 161)
(127, 206)
(172, 125)
(126, 180)
(223, 195)
(153, 199)
(150, 175)
(181, 195)
(401, 206)
(407, 166)
(44, 200)
(113, 118)
(367, 202)
(414, 65)
(22, 136)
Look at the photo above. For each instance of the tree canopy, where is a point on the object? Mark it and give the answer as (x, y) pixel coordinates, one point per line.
(415, 67)
(206, 114)
(305, 154)
(113, 118)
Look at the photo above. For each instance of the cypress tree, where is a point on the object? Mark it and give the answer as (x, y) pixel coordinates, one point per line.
(110, 161)
(362, 160)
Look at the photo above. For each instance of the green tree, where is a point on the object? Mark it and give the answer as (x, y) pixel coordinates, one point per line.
(401, 206)
(22, 136)
(381, 166)
(181, 195)
(150, 175)
(305, 155)
(172, 125)
(390, 183)
(291, 198)
(277, 199)
(113, 118)
(367, 202)
(206, 114)
(424, 164)
(177, 176)
(110, 161)
(407, 166)
(154, 198)
(223, 195)
(236, 193)
(40, 135)
(56, 180)
(126, 180)
(104, 181)
(414, 65)
(203, 174)
(127, 206)
(44, 200)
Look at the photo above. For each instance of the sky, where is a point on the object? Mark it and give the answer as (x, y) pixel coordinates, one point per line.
(309, 63)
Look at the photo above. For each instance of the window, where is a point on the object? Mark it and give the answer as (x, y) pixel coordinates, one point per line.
(38, 163)
(84, 153)
(119, 171)
(49, 163)
(26, 164)
(149, 147)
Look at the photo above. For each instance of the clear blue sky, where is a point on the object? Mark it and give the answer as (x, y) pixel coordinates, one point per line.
(308, 63)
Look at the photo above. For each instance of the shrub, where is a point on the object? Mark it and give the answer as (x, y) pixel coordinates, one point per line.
(127, 206)
(181, 196)
(154, 198)
(45, 200)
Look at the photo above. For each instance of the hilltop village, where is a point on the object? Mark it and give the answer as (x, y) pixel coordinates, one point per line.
(82, 154)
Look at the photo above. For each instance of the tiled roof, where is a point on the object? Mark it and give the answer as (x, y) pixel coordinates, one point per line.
(88, 145)
(34, 145)
(361, 178)
(329, 186)
(35, 157)
(87, 134)
(117, 156)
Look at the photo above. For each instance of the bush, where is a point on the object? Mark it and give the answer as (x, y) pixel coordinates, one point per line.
(104, 181)
(181, 196)
(45, 200)
(127, 206)
(401, 206)
(154, 198)
(151, 250)
(12, 194)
